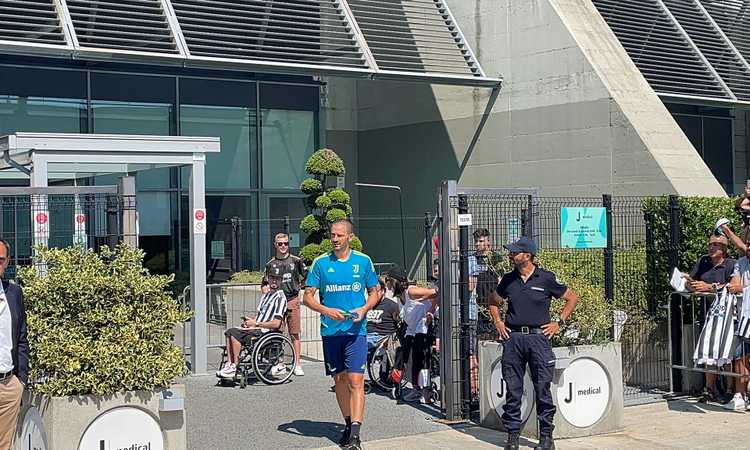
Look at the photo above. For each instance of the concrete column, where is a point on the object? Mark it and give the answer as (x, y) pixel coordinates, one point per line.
(199, 339)
(39, 209)
(129, 212)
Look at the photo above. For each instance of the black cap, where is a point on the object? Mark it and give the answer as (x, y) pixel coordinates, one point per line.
(397, 273)
(523, 245)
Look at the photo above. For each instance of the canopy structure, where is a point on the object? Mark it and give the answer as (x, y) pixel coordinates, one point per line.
(417, 40)
(42, 156)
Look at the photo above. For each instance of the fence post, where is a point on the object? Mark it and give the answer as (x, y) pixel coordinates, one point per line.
(286, 225)
(609, 254)
(427, 245)
(651, 274)
(235, 261)
(530, 212)
(675, 301)
(463, 243)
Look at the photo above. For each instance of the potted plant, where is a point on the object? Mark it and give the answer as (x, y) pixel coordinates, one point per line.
(100, 330)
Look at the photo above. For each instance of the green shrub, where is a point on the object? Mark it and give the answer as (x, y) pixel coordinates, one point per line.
(323, 201)
(100, 323)
(698, 216)
(310, 251)
(339, 196)
(335, 214)
(325, 162)
(326, 246)
(310, 224)
(311, 186)
(356, 244)
(246, 277)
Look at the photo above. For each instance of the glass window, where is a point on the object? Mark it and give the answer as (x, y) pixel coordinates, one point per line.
(717, 150)
(289, 132)
(42, 100)
(226, 110)
(134, 104)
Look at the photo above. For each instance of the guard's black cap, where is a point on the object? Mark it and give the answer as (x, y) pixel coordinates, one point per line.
(523, 245)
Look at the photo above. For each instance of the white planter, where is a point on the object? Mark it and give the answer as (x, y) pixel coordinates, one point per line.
(140, 418)
(586, 388)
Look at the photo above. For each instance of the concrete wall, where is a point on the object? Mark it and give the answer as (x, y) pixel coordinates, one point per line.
(574, 117)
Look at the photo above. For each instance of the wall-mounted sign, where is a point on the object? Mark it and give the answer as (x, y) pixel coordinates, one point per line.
(217, 249)
(32, 435)
(464, 220)
(199, 221)
(124, 428)
(583, 227)
(41, 225)
(499, 389)
(583, 392)
(513, 227)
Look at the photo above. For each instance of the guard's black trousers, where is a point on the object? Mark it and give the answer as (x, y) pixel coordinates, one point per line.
(534, 349)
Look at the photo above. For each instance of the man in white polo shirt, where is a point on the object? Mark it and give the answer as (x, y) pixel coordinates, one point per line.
(14, 352)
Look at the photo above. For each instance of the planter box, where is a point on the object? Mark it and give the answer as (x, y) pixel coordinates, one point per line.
(586, 388)
(67, 419)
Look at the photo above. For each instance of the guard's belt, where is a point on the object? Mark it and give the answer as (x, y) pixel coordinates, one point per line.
(526, 330)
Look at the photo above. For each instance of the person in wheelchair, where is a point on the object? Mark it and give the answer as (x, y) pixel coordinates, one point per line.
(383, 319)
(271, 311)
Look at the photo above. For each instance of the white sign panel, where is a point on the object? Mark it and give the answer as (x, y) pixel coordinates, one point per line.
(583, 392)
(41, 225)
(199, 220)
(124, 428)
(79, 235)
(499, 389)
(32, 435)
(464, 220)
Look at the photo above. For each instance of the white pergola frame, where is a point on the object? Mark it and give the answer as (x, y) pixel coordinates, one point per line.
(33, 153)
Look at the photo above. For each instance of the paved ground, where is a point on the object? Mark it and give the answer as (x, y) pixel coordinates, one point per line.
(299, 415)
(679, 424)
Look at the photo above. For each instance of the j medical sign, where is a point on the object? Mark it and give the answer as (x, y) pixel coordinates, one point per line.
(583, 227)
(583, 393)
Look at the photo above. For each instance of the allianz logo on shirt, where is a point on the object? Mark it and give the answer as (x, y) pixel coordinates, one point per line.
(356, 287)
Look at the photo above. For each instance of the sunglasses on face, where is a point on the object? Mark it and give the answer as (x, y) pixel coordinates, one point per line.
(282, 244)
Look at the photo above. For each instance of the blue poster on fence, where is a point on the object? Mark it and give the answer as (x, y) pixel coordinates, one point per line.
(583, 227)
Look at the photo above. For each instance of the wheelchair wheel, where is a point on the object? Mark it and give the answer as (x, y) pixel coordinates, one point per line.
(273, 359)
(379, 369)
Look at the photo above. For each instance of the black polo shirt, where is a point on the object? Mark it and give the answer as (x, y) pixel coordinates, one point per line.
(529, 302)
(704, 270)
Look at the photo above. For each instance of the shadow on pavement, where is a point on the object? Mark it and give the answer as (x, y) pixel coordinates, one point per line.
(489, 436)
(691, 406)
(308, 428)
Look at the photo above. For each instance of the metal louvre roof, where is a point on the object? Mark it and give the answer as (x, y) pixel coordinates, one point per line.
(389, 39)
(686, 48)
(30, 21)
(139, 25)
(660, 49)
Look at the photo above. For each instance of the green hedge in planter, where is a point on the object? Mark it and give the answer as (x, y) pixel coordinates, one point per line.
(100, 323)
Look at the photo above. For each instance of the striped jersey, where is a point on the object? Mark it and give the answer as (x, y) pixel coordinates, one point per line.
(715, 344)
(272, 306)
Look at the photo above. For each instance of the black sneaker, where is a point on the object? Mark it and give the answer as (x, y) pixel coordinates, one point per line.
(512, 442)
(354, 444)
(545, 443)
(344, 441)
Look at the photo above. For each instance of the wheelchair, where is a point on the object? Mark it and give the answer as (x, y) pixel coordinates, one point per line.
(269, 358)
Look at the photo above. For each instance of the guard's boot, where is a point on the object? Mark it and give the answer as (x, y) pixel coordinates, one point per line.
(545, 443)
(512, 442)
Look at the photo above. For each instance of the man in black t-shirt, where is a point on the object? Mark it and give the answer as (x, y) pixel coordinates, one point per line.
(292, 271)
(383, 319)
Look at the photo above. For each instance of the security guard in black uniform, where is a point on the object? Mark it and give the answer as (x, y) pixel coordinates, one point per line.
(526, 335)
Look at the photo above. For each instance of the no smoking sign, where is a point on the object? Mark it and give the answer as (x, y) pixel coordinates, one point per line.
(199, 221)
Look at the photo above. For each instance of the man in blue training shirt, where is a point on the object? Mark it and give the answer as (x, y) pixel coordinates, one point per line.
(346, 281)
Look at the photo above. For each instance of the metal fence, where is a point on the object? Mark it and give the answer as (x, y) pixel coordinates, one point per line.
(616, 273)
(89, 217)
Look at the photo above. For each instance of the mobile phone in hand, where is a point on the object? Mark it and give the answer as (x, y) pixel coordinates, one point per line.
(348, 315)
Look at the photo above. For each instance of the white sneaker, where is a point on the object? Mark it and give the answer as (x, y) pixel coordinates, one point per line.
(228, 371)
(278, 369)
(298, 371)
(737, 403)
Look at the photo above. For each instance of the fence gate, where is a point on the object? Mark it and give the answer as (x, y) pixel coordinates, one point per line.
(614, 271)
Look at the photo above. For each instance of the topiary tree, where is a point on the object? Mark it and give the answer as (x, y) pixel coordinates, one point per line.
(327, 204)
(99, 323)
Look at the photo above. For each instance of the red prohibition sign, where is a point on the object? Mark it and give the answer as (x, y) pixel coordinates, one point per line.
(41, 218)
(200, 215)
(80, 218)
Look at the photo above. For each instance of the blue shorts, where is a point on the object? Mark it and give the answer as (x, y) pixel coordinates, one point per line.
(346, 353)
